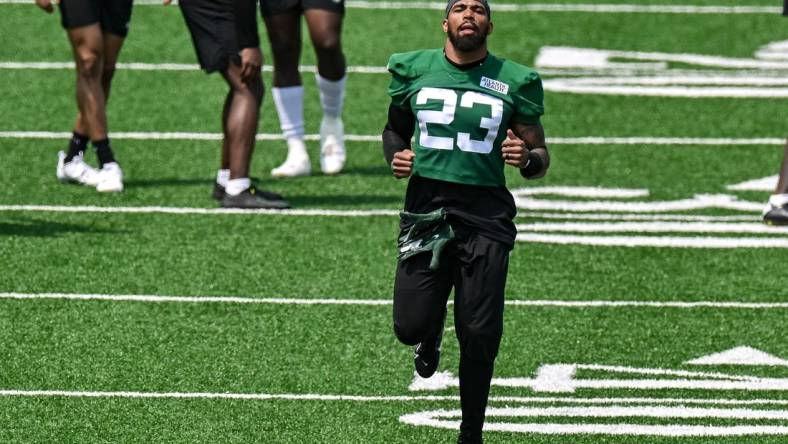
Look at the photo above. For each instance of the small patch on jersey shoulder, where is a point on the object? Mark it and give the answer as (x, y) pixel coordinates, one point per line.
(495, 85)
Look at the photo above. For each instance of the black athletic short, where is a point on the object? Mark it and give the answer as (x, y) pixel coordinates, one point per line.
(114, 16)
(274, 7)
(212, 27)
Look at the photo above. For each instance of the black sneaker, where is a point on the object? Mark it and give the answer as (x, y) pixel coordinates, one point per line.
(252, 198)
(427, 354)
(774, 215)
(218, 192)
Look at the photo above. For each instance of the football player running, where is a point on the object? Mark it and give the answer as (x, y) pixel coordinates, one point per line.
(324, 20)
(472, 113)
(96, 30)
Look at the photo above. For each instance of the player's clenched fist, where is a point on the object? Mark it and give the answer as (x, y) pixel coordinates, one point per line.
(402, 165)
(514, 151)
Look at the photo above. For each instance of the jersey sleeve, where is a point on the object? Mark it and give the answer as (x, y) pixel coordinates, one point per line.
(529, 100)
(403, 74)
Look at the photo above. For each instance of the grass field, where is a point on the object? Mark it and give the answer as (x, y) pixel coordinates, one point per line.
(149, 316)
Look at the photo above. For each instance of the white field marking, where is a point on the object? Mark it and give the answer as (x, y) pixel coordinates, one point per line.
(649, 217)
(171, 136)
(768, 183)
(722, 142)
(140, 66)
(654, 241)
(697, 202)
(619, 72)
(577, 86)
(592, 58)
(333, 301)
(441, 419)
(773, 51)
(653, 227)
(393, 398)
(535, 7)
(599, 192)
(192, 210)
(743, 355)
(644, 304)
(560, 378)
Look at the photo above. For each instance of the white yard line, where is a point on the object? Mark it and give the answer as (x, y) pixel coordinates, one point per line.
(192, 210)
(386, 302)
(656, 241)
(176, 135)
(380, 398)
(641, 217)
(654, 227)
(535, 7)
(169, 66)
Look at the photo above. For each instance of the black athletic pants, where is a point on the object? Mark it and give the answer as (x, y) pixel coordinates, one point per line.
(476, 268)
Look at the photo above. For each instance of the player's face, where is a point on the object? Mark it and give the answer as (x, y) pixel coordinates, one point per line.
(467, 25)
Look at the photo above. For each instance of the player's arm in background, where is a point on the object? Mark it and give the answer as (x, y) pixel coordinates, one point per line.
(396, 140)
(248, 39)
(526, 149)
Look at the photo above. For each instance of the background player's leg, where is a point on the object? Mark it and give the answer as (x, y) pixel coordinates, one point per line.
(776, 211)
(478, 316)
(91, 124)
(284, 33)
(223, 175)
(325, 30)
(242, 114)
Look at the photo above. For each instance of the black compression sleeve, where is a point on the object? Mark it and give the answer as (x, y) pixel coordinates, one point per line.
(534, 166)
(246, 23)
(398, 131)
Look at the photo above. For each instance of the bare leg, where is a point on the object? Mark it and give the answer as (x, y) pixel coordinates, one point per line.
(87, 44)
(284, 32)
(242, 116)
(325, 30)
(225, 162)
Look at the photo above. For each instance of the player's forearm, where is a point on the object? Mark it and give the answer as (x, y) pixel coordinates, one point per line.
(246, 23)
(398, 131)
(538, 156)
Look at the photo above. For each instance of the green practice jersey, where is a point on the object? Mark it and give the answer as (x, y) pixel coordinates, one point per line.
(462, 115)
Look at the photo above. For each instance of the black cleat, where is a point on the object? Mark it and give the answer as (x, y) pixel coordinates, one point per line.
(774, 215)
(252, 198)
(469, 438)
(218, 192)
(427, 354)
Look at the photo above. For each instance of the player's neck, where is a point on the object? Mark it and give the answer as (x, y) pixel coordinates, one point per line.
(464, 57)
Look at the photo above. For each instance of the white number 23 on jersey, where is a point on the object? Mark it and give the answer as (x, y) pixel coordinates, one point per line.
(446, 116)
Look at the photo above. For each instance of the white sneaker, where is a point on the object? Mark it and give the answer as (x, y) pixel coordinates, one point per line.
(297, 162)
(332, 145)
(76, 170)
(110, 178)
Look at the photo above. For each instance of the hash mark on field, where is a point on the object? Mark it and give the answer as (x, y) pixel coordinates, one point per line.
(386, 302)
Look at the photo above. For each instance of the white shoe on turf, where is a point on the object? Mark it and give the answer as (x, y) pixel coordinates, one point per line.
(76, 170)
(297, 162)
(110, 178)
(332, 145)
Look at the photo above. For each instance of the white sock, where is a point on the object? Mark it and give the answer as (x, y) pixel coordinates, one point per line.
(778, 200)
(332, 95)
(296, 149)
(222, 176)
(236, 186)
(289, 103)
